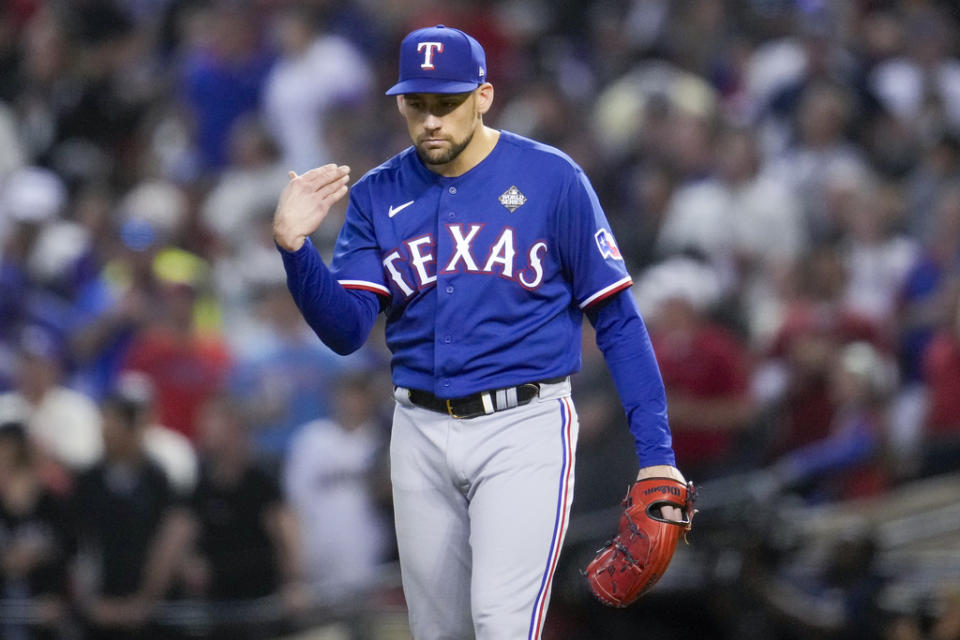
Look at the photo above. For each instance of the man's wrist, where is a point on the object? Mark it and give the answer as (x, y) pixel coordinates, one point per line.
(661, 471)
(291, 245)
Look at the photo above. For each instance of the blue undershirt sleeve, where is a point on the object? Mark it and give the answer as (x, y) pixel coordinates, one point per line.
(341, 318)
(623, 339)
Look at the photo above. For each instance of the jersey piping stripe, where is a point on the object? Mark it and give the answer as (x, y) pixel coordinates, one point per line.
(560, 523)
(619, 285)
(364, 285)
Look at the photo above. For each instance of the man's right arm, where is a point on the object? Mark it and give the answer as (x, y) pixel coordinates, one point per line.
(342, 319)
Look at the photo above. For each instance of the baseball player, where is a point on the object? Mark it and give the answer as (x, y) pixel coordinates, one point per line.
(484, 249)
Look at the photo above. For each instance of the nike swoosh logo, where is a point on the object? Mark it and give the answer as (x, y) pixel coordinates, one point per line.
(395, 210)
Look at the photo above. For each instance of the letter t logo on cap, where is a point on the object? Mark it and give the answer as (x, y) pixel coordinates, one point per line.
(431, 47)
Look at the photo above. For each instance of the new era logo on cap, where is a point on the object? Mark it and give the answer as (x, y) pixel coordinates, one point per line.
(440, 60)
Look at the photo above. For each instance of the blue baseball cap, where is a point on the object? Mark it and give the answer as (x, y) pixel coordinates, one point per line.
(440, 60)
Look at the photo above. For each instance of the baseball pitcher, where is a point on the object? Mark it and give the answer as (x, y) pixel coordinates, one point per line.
(484, 249)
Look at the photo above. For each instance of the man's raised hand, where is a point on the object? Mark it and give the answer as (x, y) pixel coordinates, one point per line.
(306, 201)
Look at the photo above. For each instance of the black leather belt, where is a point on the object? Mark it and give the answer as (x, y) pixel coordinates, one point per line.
(482, 403)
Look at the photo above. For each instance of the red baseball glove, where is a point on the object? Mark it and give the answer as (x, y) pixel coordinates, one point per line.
(630, 564)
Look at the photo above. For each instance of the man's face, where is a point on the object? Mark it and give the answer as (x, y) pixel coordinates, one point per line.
(441, 125)
(121, 438)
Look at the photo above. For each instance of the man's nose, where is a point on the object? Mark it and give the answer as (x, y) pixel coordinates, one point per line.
(432, 122)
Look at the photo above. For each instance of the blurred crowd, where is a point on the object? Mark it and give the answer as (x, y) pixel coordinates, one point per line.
(782, 176)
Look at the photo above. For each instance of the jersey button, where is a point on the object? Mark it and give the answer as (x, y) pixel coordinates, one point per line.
(451, 215)
(452, 190)
(447, 339)
(449, 289)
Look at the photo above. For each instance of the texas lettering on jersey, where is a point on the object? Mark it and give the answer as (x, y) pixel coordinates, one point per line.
(499, 259)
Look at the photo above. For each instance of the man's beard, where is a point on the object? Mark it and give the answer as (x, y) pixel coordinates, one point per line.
(449, 156)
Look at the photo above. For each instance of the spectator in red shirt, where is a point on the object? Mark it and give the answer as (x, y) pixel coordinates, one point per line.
(815, 325)
(705, 368)
(942, 371)
(852, 460)
(186, 367)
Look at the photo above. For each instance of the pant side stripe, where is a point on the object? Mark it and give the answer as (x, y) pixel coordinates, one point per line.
(560, 522)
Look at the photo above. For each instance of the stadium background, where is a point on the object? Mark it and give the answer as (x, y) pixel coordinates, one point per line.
(782, 177)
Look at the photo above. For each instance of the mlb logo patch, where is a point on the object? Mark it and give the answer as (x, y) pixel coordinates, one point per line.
(607, 245)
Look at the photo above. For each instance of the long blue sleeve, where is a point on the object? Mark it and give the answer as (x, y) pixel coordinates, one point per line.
(341, 318)
(622, 337)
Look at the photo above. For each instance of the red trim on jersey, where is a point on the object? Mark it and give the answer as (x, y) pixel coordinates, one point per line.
(363, 285)
(606, 292)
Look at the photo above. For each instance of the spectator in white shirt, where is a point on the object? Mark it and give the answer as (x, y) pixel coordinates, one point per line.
(66, 424)
(330, 480)
(315, 72)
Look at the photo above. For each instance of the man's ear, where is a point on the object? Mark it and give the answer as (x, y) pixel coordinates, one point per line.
(400, 102)
(484, 97)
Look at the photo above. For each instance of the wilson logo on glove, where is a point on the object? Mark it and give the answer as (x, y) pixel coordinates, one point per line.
(630, 564)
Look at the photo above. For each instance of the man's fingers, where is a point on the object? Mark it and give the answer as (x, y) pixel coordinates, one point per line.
(321, 176)
(336, 194)
(342, 191)
(337, 175)
(333, 187)
(671, 513)
(316, 171)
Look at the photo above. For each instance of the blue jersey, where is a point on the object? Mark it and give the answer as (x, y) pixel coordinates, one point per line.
(485, 274)
(484, 278)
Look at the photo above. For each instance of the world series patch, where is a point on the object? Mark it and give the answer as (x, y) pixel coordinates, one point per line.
(512, 199)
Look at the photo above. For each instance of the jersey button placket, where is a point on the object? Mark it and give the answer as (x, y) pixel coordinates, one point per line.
(444, 342)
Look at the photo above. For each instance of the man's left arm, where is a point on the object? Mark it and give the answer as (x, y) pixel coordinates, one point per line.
(623, 339)
(657, 513)
(601, 288)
